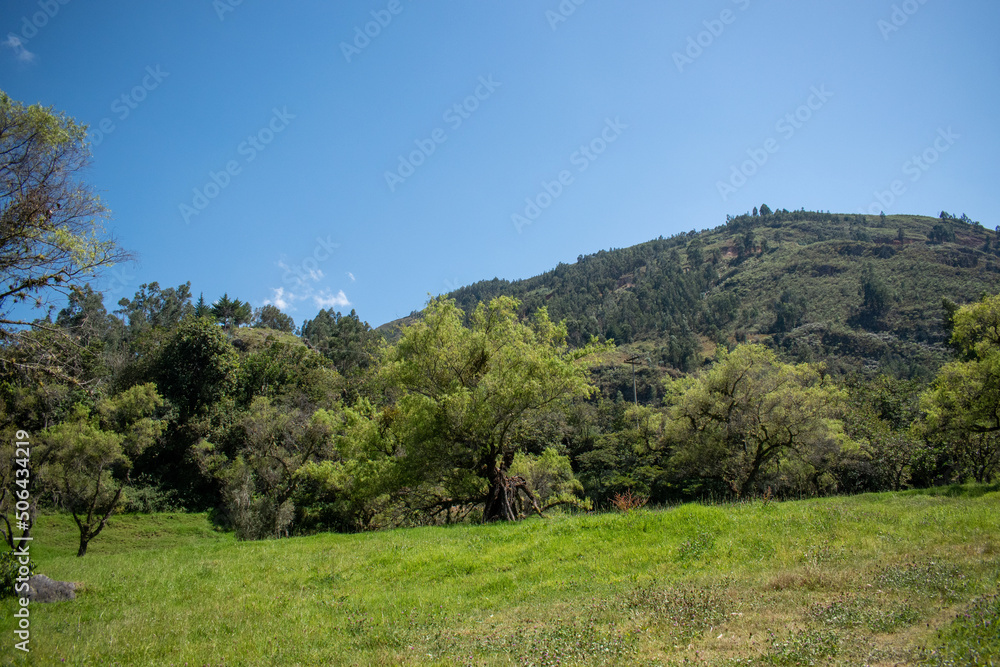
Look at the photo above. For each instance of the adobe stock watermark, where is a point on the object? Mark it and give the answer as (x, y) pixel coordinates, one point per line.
(123, 105)
(249, 149)
(697, 44)
(223, 7)
(901, 13)
(914, 168)
(30, 27)
(22, 515)
(582, 158)
(363, 35)
(120, 280)
(562, 13)
(786, 126)
(454, 116)
(308, 270)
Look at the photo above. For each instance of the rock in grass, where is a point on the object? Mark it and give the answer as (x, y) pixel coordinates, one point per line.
(43, 589)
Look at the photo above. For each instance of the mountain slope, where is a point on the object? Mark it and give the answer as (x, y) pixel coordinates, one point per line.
(854, 291)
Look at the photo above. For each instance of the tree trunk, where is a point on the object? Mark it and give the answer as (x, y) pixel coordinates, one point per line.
(84, 541)
(501, 498)
(503, 502)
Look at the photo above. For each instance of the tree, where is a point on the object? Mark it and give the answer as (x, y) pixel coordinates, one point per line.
(154, 308)
(467, 394)
(231, 312)
(270, 317)
(51, 223)
(876, 296)
(941, 233)
(258, 474)
(962, 406)
(764, 210)
(789, 309)
(196, 367)
(201, 308)
(696, 253)
(343, 339)
(879, 419)
(86, 459)
(749, 413)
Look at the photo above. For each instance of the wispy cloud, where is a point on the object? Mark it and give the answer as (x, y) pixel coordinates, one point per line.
(325, 298)
(351, 276)
(20, 52)
(299, 274)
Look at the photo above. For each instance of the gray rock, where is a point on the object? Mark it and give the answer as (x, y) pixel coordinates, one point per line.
(43, 589)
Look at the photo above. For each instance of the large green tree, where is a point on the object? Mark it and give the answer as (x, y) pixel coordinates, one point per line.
(468, 393)
(196, 367)
(749, 414)
(344, 339)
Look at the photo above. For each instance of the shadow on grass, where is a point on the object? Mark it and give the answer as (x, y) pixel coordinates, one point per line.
(956, 490)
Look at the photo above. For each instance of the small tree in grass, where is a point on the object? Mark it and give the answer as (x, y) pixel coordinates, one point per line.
(87, 458)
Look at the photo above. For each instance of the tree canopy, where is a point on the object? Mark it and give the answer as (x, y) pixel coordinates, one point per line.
(750, 413)
(51, 222)
(468, 394)
(963, 404)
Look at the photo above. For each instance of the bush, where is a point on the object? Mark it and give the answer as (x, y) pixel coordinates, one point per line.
(149, 499)
(9, 567)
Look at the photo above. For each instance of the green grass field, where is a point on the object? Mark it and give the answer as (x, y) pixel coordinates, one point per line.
(883, 579)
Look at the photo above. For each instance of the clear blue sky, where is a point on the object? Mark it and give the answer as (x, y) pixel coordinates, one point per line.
(619, 121)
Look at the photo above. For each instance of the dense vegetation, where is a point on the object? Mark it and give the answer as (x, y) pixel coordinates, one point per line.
(781, 354)
(493, 414)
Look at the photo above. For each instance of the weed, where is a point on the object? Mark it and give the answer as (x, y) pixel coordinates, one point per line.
(686, 611)
(973, 637)
(876, 614)
(695, 547)
(932, 578)
(802, 647)
(568, 642)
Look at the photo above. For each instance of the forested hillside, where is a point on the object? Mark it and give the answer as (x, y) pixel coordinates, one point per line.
(853, 291)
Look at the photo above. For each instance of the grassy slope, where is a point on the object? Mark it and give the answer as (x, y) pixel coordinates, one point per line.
(868, 578)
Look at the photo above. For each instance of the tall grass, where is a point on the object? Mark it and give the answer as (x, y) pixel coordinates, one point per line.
(874, 578)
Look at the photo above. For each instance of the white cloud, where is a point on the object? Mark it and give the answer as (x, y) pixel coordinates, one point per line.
(326, 299)
(21, 53)
(351, 276)
(282, 300)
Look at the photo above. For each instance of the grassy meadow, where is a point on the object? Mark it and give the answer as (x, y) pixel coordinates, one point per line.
(879, 579)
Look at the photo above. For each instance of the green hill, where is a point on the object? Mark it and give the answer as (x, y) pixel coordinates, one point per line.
(791, 279)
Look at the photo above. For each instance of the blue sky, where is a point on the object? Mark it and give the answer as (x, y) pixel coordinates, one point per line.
(364, 154)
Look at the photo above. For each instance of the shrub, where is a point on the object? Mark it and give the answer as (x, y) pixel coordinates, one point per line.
(627, 501)
(9, 567)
